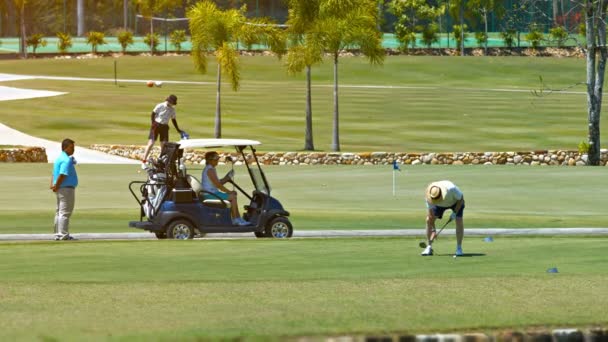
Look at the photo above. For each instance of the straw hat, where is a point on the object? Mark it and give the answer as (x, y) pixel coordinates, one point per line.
(435, 193)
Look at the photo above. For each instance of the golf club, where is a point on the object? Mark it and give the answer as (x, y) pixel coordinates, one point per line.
(422, 244)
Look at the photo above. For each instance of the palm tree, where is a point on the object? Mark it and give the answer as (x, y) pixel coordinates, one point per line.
(20, 5)
(346, 24)
(304, 52)
(217, 31)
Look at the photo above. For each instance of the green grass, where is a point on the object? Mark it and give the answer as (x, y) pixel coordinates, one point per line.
(330, 197)
(176, 290)
(411, 104)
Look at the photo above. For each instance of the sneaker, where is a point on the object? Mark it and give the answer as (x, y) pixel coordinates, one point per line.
(240, 222)
(459, 251)
(65, 237)
(428, 251)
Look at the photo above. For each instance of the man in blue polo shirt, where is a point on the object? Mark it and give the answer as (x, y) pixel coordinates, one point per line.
(63, 184)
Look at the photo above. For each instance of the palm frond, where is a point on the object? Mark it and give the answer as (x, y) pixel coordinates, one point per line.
(200, 58)
(227, 57)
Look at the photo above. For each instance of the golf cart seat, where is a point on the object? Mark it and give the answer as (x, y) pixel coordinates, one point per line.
(198, 189)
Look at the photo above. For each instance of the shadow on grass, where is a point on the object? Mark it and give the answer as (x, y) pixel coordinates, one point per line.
(465, 255)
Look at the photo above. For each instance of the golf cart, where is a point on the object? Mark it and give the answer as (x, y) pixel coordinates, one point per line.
(173, 205)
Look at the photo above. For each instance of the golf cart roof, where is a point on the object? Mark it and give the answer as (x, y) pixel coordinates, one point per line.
(208, 143)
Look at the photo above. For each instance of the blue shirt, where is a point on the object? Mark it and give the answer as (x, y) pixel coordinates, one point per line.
(64, 165)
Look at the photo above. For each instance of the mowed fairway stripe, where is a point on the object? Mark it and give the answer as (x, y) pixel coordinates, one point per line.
(258, 84)
(144, 290)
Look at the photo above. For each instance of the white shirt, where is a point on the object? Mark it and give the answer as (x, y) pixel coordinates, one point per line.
(449, 192)
(163, 113)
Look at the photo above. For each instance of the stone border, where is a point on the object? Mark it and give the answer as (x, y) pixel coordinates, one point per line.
(556, 335)
(532, 158)
(23, 155)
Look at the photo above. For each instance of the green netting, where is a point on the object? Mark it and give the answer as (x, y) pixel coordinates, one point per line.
(79, 45)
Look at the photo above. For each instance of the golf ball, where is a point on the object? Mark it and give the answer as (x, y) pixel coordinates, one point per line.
(454, 257)
(158, 84)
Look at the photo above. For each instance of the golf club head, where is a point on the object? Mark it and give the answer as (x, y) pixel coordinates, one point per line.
(422, 244)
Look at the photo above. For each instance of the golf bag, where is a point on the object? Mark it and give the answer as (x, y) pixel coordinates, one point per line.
(154, 192)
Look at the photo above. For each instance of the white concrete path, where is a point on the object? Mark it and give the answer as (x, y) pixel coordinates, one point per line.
(10, 136)
(494, 232)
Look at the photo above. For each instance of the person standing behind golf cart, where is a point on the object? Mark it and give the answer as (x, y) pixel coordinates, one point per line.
(212, 184)
(162, 113)
(441, 196)
(63, 184)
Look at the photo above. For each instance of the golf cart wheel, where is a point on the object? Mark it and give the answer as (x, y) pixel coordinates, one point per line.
(161, 235)
(279, 228)
(180, 230)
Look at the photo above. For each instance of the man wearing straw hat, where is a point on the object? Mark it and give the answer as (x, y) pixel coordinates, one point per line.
(440, 196)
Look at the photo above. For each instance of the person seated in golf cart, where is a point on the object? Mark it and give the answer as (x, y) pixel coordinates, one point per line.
(214, 188)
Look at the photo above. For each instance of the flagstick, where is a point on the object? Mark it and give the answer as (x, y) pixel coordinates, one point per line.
(393, 182)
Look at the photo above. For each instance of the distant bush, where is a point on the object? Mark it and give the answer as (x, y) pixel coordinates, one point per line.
(95, 39)
(481, 38)
(35, 41)
(430, 34)
(508, 36)
(405, 36)
(125, 38)
(583, 147)
(535, 36)
(152, 40)
(64, 42)
(177, 38)
(458, 36)
(559, 35)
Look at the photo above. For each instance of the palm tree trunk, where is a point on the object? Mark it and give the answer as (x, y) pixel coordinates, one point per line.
(151, 35)
(308, 142)
(23, 36)
(461, 15)
(335, 144)
(125, 13)
(595, 80)
(218, 109)
(485, 20)
(80, 16)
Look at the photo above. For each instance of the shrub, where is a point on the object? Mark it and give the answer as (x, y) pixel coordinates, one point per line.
(457, 34)
(95, 39)
(177, 38)
(430, 34)
(535, 36)
(152, 40)
(508, 36)
(64, 42)
(559, 35)
(481, 38)
(35, 41)
(583, 147)
(125, 38)
(405, 36)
